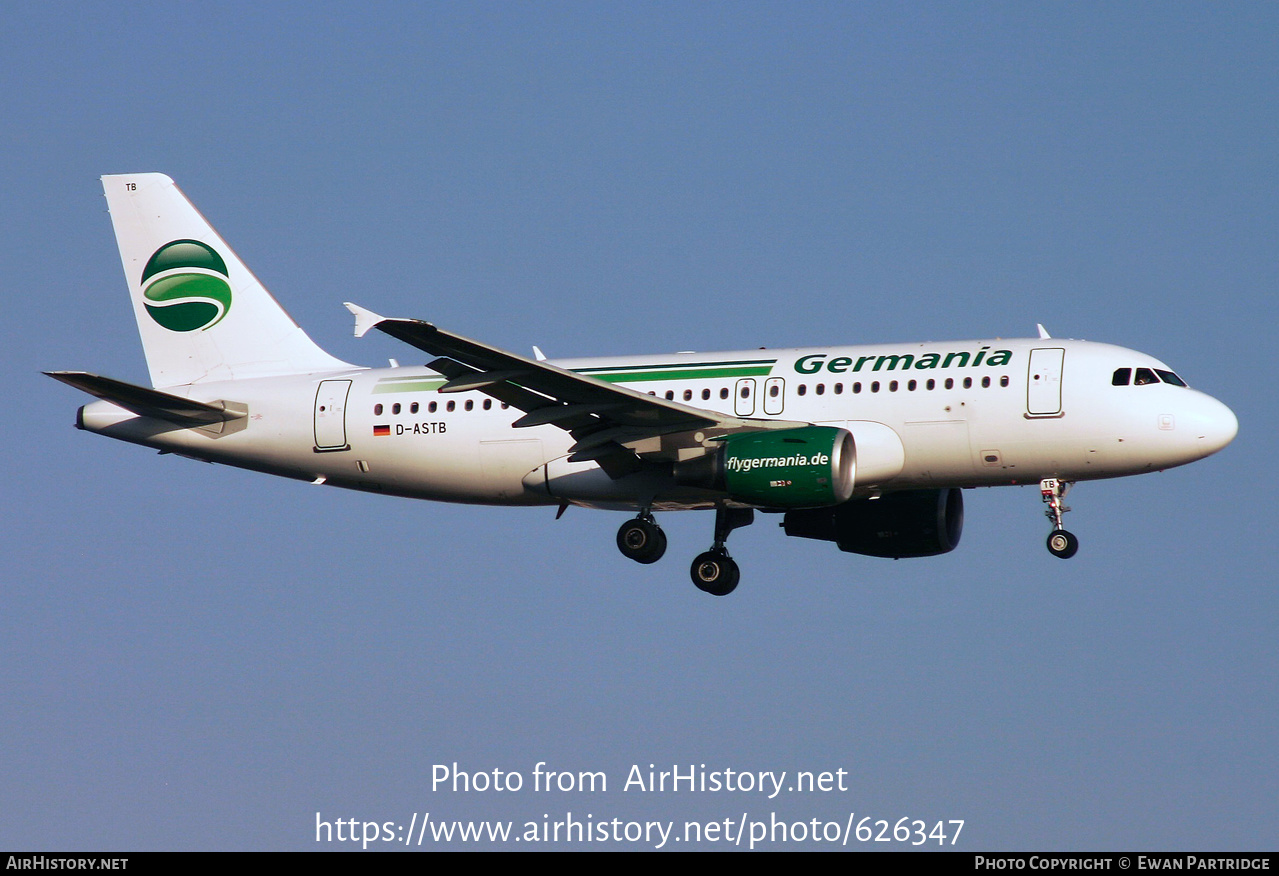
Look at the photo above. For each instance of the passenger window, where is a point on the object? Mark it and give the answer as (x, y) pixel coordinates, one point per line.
(773, 390)
(1003, 381)
(413, 408)
(857, 387)
(985, 383)
(968, 383)
(839, 389)
(723, 393)
(1121, 377)
(688, 395)
(821, 389)
(706, 394)
(1144, 376)
(449, 407)
(803, 389)
(395, 408)
(911, 385)
(377, 410)
(469, 404)
(931, 384)
(670, 395)
(950, 383)
(488, 404)
(432, 407)
(892, 386)
(874, 386)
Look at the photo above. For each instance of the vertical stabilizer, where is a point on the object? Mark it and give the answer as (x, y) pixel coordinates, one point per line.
(202, 314)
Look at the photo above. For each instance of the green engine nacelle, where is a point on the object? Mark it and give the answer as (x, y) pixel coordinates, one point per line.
(809, 467)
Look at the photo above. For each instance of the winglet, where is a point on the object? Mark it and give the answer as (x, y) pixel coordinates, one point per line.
(1043, 332)
(364, 319)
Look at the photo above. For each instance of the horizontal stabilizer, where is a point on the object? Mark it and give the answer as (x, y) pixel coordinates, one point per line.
(147, 402)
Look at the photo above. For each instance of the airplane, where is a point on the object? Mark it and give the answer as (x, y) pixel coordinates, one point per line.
(868, 447)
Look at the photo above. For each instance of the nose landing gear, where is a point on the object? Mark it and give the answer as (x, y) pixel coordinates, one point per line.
(1061, 543)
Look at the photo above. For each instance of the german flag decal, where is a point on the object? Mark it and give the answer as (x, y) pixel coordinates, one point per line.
(379, 431)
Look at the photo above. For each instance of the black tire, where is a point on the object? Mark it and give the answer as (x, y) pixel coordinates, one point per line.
(1062, 544)
(716, 573)
(641, 540)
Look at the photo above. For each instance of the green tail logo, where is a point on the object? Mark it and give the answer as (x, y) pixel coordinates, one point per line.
(185, 286)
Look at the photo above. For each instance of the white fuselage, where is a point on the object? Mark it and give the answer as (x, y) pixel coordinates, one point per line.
(948, 414)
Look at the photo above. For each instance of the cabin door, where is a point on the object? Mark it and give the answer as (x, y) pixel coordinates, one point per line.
(1043, 382)
(330, 415)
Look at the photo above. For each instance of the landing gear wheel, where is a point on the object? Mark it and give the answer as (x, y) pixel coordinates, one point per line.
(716, 573)
(641, 540)
(1062, 544)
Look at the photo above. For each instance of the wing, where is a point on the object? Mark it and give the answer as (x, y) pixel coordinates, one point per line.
(616, 426)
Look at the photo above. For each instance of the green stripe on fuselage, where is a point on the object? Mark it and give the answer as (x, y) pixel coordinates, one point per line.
(681, 371)
(409, 384)
(613, 374)
(597, 371)
(683, 374)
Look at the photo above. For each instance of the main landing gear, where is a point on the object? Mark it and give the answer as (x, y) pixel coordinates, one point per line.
(641, 539)
(714, 571)
(1060, 542)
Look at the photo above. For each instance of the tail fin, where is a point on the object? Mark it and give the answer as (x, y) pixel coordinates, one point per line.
(202, 314)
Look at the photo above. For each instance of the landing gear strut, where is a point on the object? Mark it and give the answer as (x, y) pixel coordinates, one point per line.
(641, 539)
(714, 571)
(1060, 542)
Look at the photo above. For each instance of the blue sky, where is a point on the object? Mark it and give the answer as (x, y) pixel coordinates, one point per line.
(202, 658)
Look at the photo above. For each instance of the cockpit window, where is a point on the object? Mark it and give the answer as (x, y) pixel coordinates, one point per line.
(1145, 377)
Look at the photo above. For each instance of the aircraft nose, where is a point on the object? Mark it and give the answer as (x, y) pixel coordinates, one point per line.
(1215, 425)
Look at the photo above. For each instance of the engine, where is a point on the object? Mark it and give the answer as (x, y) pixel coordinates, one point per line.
(808, 467)
(912, 523)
